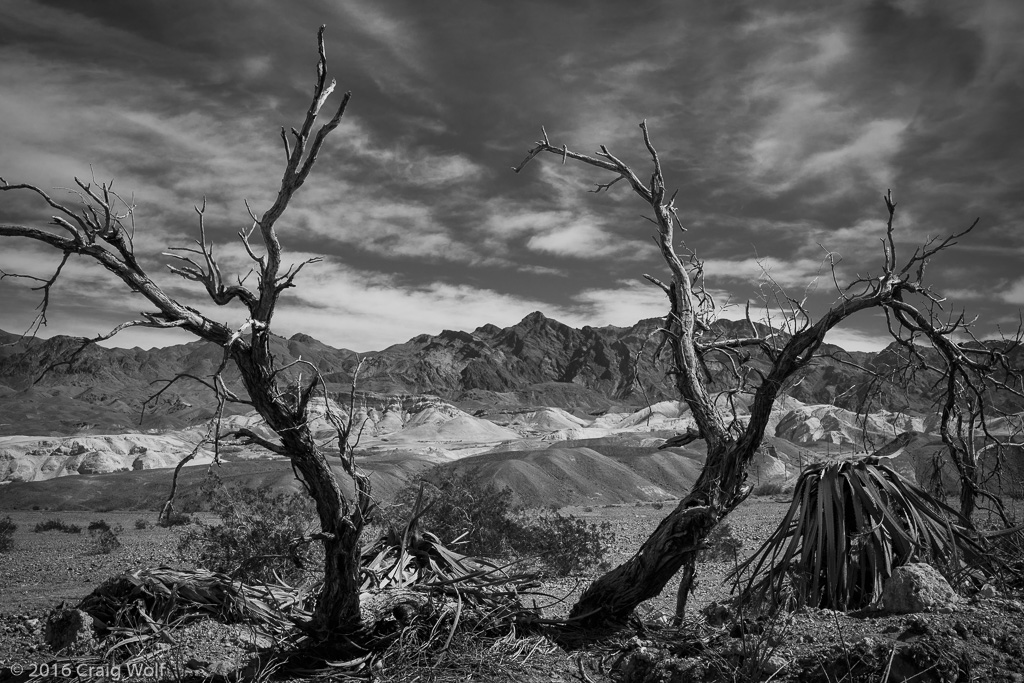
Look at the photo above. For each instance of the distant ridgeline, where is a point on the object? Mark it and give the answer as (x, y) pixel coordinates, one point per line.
(537, 362)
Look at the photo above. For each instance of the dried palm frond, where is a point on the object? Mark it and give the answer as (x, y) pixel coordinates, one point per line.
(406, 556)
(851, 523)
(138, 608)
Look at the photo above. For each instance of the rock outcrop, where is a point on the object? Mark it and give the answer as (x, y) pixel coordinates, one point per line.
(32, 458)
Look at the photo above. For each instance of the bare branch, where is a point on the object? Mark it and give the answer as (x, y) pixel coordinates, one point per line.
(250, 438)
(86, 341)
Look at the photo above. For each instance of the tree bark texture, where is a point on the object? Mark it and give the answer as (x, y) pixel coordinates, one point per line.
(686, 577)
(337, 605)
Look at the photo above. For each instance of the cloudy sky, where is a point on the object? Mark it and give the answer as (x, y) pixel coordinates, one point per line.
(781, 124)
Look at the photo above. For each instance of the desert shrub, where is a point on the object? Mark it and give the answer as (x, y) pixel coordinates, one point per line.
(57, 525)
(721, 544)
(100, 525)
(174, 518)
(769, 488)
(257, 535)
(482, 520)
(459, 510)
(104, 540)
(7, 529)
(142, 523)
(1006, 546)
(564, 544)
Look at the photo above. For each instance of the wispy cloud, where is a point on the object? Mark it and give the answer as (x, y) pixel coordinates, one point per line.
(623, 304)
(812, 129)
(1013, 294)
(792, 273)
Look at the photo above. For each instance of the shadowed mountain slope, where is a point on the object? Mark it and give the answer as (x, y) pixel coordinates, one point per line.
(536, 362)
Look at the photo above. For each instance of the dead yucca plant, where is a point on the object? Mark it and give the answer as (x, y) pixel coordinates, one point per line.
(851, 523)
(423, 602)
(135, 610)
(406, 555)
(409, 558)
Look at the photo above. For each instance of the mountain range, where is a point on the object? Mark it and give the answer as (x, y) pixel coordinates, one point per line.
(536, 362)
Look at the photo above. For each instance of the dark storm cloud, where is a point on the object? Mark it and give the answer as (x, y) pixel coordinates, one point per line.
(781, 125)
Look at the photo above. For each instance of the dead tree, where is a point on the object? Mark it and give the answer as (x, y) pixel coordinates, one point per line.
(911, 307)
(102, 229)
(979, 419)
(978, 452)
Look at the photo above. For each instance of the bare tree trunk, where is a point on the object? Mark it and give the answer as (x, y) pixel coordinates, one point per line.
(686, 576)
(673, 545)
(968, 491)
(168, 509)
(337, 604)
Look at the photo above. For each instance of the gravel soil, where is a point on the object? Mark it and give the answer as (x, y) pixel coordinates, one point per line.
(982, 637)
(44, 569)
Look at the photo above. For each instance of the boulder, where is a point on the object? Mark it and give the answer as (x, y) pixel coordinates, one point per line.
(68, 629)
(917, 587)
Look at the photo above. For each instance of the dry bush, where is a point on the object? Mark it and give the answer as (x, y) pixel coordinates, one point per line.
(721, 544)
(104, 541)
(258, 535)
(57, 525)
(7, 529)
(173, 519)
(769, 488)
(482, 520)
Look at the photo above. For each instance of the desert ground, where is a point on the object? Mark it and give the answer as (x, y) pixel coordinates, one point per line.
(51, 568)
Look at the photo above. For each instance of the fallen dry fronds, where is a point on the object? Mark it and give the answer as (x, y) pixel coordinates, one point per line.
(424, 606)
(135, 610)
